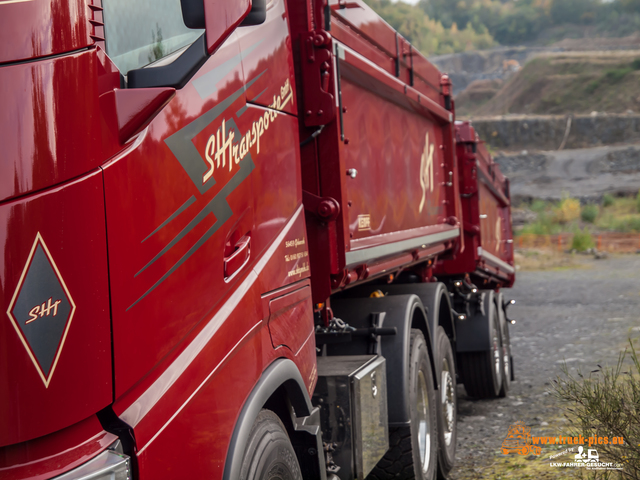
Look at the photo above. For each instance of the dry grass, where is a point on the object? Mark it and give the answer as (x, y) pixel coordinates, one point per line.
(568, 82)
(531, 259)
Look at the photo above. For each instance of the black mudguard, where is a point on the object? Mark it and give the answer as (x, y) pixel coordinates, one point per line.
(281, 373)
(473, 333)
(403, 312)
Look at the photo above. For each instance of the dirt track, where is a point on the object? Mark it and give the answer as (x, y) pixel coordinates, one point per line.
(581, 316)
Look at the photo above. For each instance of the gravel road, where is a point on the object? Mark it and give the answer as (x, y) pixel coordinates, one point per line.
(580, 316)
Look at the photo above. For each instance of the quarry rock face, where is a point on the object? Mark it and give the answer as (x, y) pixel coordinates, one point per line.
(586, 173)
(547, 132)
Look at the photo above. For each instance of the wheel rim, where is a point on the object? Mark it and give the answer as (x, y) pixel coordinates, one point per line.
(448, 401)
(505, 360)
(496, 353)
(424, 432)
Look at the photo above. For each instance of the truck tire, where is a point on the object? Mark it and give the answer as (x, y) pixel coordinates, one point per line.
(413, 450)
(269, 454)
(482, 371)
(447, 404)
(507, 366)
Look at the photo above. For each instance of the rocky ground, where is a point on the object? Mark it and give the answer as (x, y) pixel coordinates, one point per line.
(580, 316)
(581, 173)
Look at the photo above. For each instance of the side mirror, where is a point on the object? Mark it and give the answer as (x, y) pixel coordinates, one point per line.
(257, 15)
(218, 17)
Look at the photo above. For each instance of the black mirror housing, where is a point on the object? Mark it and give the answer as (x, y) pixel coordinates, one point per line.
(257, 15)
(193, 13)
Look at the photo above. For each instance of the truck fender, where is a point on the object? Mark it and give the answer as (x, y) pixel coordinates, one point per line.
(435, 298)
(473, 333)
(403, 312)
(502, 317)
(282, 374)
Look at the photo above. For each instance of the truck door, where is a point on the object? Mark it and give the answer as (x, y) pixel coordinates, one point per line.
(201, 205)
(180, 212)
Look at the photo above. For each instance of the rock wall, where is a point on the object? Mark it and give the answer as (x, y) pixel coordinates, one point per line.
(465, 67)
(516, 133)
(586, 174)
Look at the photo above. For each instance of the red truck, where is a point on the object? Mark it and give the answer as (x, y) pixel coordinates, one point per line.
(242, 240)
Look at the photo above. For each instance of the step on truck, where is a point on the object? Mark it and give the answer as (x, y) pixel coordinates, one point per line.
(241, 240)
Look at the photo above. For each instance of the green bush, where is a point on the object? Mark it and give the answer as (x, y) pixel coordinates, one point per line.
(618, 74)
(544, 225)
(582, 240)
(626, 224)
(567, 210)
(589, 213)
(636, 64)
(638, 201)
(605, 403)
(607, 200)
(593, 85)
(538, 205)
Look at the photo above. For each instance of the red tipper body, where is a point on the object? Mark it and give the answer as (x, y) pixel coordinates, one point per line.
(386, 168)
(486, 203)
(178, 207)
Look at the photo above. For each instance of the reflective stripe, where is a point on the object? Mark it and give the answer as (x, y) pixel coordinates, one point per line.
(365, 254)
(496, 261)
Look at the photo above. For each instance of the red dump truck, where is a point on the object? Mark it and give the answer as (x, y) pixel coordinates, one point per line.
(241, 240)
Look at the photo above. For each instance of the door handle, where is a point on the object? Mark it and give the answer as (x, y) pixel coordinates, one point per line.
(238, 258)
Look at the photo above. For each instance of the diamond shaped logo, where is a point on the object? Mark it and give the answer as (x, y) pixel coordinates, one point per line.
(41, 310)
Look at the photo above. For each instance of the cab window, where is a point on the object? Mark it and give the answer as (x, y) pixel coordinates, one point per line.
(141, 32)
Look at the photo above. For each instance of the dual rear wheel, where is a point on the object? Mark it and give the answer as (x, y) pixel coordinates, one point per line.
(425, 448)
(487, 374)
(421, 450)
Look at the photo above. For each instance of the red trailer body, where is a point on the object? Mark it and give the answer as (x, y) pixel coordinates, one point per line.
(486, 203)
(179, 206)
(387, 161)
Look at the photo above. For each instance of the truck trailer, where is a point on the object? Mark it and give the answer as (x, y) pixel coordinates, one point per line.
(243, 239)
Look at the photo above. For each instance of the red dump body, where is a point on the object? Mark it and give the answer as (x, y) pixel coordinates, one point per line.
(486, 203)
(388, 161)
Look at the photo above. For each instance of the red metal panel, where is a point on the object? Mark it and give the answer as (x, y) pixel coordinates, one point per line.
(276, 186)
(37, 28)
(177, 320)
(267, 53)
(367, 23)
(342, 33)
(356, 25)
(291, 319)
(390, 148)
(51, 130)
(54, 454)
(201, 409)
(157, 214)
(486, 214)
(221, 19)
(69, 221)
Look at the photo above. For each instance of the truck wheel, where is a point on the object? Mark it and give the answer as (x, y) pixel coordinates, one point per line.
(413, 450)
(506, 360)
(447, 404)
(269, 454)
(482, 371)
